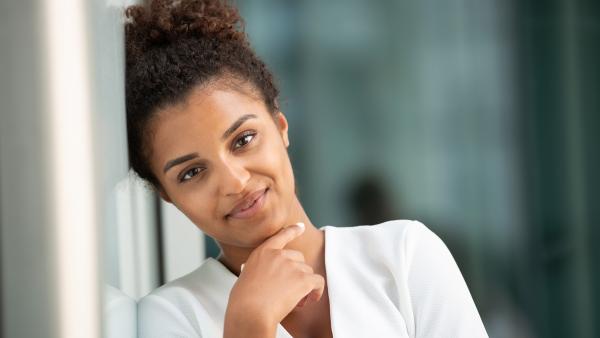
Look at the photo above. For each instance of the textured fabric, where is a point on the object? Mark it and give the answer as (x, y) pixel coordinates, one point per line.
(394, 279)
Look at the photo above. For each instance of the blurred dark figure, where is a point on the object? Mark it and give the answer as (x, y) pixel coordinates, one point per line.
(371, 201)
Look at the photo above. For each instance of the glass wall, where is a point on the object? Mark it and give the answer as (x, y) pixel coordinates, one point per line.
(77, 236)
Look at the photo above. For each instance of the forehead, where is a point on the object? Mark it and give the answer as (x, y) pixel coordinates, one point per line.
(199, 121)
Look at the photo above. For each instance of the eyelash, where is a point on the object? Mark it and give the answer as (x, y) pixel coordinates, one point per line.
(243, 136)
(183, 178)
(197, 170)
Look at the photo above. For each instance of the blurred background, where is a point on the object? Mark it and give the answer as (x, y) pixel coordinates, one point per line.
(479, 118)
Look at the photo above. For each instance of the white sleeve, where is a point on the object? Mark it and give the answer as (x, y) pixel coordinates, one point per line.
(442, 304)
(159, 318)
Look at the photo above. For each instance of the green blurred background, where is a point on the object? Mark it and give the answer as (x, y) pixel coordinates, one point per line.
(478, 117)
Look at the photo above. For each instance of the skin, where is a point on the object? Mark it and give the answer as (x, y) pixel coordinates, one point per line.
(283, 280)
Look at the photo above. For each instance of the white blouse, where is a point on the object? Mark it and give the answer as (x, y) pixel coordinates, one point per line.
(394, 279)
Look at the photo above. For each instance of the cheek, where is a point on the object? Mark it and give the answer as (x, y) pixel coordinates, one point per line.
(198, 207)
(276, 161)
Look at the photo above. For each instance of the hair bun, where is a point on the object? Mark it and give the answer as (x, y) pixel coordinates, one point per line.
(164, 21)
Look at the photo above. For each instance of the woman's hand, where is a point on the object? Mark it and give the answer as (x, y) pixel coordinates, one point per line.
(273, 282)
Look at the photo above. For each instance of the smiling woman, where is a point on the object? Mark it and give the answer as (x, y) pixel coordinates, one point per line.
(216, 154)
(206, 132)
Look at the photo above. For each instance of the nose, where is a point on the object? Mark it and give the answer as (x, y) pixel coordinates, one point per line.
(233, 178)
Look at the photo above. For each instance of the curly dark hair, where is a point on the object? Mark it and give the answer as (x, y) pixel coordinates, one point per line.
(171, 48)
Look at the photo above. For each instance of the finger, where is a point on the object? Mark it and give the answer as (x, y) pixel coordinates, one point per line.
(294, 255)
(284, 236)
(302, 301)
(305, 268)
(318, 287)
(315, 296)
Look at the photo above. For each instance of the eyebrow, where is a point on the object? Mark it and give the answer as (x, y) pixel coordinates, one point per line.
(234, 126)
(179, 160)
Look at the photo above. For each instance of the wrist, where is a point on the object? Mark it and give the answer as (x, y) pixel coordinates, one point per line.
(247, 324)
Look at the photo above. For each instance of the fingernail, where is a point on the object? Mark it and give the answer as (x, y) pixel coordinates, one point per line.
(299, 225)
(242, 267)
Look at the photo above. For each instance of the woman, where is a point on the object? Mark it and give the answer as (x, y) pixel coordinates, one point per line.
(206, 132)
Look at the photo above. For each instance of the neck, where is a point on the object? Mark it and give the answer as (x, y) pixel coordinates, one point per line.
(311, 244)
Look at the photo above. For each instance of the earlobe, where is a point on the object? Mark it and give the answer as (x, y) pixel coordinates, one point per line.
(164, 195)
(283, 128)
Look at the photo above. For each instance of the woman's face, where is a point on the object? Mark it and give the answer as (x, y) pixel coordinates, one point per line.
(218, 149)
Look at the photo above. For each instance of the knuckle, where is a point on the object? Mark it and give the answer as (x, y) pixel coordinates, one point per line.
(308, 269)
(318, 279)
(302, 276)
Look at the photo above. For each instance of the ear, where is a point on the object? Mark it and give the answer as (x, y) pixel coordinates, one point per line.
(282, 124)
(164, 195)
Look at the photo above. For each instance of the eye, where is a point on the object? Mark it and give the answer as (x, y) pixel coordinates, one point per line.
(190, 174)
(245, 138)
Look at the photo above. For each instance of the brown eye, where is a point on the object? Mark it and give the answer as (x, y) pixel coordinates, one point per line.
(190, 174)
(244, 139)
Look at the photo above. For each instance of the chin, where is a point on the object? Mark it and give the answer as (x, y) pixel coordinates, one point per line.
(265, 229)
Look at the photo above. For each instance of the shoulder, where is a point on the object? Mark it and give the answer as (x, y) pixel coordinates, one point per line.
(390, 246)
(176, 309)
(175, 293)
(397, 227)
(396, 235)
(174, 289)
(119, 312)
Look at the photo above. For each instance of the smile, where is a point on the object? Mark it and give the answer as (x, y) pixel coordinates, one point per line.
(252, 209)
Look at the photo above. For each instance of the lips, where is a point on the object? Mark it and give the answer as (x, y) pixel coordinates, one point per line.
(247, 202)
